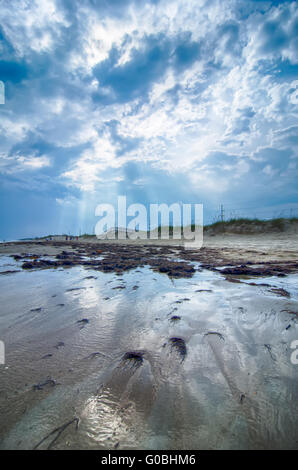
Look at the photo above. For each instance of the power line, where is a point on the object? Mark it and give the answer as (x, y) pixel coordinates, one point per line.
(221, 212)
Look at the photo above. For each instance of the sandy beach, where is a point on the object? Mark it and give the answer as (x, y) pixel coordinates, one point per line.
(113, 345)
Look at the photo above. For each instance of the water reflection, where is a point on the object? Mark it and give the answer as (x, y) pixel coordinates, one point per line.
(235, 388)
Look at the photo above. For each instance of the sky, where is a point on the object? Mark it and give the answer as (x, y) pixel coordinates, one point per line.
(163, 101)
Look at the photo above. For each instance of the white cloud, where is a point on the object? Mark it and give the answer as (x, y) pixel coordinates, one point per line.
(18, 163)
(31, 24)
(33, 163)
(187, 115)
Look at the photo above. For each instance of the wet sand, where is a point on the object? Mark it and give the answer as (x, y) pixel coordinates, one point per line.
(257, 255)
(112, 345)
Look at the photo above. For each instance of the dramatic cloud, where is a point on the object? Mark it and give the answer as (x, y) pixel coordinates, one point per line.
(161, 100)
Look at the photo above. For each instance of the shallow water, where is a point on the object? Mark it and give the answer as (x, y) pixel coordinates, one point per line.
(235, 391)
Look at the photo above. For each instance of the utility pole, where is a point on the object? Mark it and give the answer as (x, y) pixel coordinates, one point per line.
(221, 213)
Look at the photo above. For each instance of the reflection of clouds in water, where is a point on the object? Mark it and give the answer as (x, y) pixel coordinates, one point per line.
(90, 298)
(102, 421)
(7, 261)
(289, 283)
(120, 411)
(103, 314)
(113, 416)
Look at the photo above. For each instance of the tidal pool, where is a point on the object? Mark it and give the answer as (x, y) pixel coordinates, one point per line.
(68, 383)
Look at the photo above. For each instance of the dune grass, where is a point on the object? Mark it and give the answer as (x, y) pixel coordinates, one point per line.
(245, 225)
